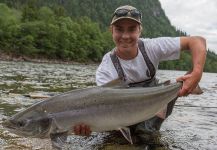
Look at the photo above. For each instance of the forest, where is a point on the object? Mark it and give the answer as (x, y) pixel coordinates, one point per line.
(79, 30)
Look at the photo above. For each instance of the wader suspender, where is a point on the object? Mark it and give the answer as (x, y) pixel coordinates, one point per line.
(117, 65)
(151, 69)
(150, 72)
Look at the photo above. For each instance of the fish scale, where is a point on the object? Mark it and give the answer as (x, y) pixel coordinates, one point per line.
(103, 108)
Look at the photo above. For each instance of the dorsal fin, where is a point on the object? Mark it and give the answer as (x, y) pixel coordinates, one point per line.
(116, 83)
(167, 82)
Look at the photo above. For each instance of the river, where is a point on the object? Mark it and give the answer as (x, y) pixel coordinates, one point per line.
(192, 125)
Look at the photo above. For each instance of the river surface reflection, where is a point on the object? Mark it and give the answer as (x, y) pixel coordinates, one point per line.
(192, 125)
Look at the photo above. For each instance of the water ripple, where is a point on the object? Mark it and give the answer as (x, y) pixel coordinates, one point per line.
(191, 126)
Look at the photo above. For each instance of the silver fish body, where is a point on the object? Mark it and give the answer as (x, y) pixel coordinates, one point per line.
(102, 108)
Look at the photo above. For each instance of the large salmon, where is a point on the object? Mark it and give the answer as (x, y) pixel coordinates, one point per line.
(103, 108)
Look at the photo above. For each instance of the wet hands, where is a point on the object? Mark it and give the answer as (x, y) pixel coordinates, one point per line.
(82, 129)
(190, 82)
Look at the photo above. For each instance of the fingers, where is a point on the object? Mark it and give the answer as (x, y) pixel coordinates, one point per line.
(186, 87)
(183, 92)
(82, 129)
(183, 78)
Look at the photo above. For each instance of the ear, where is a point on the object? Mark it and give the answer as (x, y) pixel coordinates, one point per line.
(111, 28)
(140, 27)
(140, 30)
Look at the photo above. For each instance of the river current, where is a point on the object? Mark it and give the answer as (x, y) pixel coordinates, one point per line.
(192, 125)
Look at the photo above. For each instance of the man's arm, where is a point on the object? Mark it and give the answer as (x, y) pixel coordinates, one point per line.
(197, 47)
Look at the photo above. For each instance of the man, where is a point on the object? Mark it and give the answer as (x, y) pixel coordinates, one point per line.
(135, 61)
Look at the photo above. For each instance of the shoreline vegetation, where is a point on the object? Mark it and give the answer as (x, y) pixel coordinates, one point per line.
(49, 32)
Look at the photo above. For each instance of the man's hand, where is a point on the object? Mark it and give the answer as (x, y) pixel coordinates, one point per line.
(82, 129)
(190, 82)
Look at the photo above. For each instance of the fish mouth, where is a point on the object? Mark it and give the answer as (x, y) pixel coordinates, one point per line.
(7, 123)
(10, 125)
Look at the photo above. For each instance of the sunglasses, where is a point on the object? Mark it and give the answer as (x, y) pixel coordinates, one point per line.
(123, 12)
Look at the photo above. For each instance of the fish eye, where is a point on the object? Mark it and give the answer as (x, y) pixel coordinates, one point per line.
(21, 123)
(45, 122)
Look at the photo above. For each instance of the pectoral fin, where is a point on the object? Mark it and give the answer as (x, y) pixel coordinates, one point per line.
(126, 133)
(58, 140)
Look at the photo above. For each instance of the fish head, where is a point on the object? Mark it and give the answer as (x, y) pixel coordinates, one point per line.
(28, 124)
(28, 127)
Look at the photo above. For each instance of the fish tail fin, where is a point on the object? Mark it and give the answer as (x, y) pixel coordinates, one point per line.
(197, 90)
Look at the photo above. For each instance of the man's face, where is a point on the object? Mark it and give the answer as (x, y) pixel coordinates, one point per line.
(125, 33)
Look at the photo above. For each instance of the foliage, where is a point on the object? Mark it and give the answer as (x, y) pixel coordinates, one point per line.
(78, 30)
(211, 62)
(44, 33)
(184, 63)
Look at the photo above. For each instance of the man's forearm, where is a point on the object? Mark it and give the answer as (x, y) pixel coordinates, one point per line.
(197, 47)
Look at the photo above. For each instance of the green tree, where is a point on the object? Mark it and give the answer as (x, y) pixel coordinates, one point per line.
(46, 14)
(30, 11)
(8, 18)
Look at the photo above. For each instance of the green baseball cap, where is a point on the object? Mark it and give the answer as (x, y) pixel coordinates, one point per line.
(128, 12)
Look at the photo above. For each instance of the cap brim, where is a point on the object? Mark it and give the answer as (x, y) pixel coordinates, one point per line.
(125, 17)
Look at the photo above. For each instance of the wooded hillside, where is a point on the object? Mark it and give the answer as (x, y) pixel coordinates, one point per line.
(77, 30)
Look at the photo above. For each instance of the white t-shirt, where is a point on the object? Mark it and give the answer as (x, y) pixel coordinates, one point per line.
(157, 49)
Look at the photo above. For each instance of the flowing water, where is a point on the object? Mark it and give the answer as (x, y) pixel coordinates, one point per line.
(192, 125)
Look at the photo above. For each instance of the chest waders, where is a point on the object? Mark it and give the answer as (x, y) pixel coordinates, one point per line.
(143, 130)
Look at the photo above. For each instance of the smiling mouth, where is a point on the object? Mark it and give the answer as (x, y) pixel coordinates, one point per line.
(125, 44)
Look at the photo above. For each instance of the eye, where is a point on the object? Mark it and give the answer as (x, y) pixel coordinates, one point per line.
(119, 30)
(45, 122)
(21, 123)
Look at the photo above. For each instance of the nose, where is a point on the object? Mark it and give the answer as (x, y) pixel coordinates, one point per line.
(125, 35)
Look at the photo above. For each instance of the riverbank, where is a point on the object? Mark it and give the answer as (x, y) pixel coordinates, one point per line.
(16, 58)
